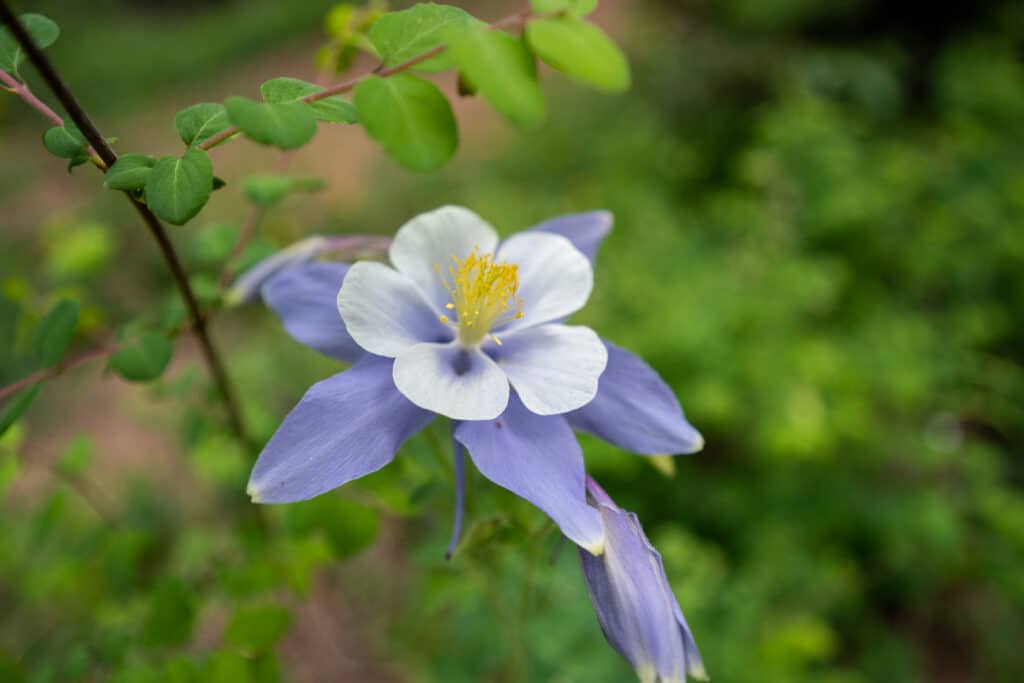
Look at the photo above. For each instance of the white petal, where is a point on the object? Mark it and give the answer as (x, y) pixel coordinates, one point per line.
(432, 239)
(384, 312)
(457, 382)
(555, 278)
(554, 368)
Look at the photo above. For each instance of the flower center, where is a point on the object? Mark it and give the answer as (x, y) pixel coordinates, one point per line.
(483, 295)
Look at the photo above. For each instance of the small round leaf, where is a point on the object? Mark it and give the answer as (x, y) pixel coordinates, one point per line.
(332, 109)
(44, 32)
(66, 141)
(401, 36)
(410, 118)
(288, 125)
(177, 189)
(502, 70)
(200, 122)
(580, 50)
(144, 360)
(130, 172)
(54, 333)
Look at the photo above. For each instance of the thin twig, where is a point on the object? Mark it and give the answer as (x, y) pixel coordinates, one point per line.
(245, 234)
(257, 212)
(22, 90)
(49, 74)
(343, 87)
(86, 357)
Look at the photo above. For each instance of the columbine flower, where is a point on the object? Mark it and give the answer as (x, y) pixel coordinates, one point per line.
(469, 328)
(635, 606)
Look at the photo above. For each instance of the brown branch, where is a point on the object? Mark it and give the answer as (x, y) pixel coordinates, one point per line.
(93, 354)
(77, 114)
(508, 22)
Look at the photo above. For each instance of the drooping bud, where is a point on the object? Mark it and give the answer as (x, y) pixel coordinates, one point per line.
(635, 606)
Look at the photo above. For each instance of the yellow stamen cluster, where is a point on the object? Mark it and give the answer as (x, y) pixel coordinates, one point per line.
(483, 295)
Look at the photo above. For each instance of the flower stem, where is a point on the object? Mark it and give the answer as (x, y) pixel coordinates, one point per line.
(459, 455)
(78, 115)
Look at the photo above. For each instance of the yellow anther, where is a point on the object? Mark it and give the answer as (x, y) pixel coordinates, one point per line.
(483, 294)
(444, 319)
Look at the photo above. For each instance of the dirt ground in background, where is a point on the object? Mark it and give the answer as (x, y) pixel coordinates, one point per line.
(329, 640)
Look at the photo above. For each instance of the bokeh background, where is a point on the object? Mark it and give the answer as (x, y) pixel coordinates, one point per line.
(818, 243)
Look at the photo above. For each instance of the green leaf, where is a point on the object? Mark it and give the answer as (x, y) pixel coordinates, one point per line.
(10, 466)
(44, 33)
(255, 629)
(145, 359)
(215, 241)
(130, 172)
(66, 142)
(502, 69)
(177, 189)
(206, 289)
(580, 50)
(11, 670)
(226, 667)
(54, 332)
(219, 460)
(9, 314)
(16, 407)
(349, 526)
(171, 614)
(578, 8)
(200, 122)
(80, 250)
(77, 160)
(332, 109)
(76, 457)
(286, 125)
(401, 36)
(410, 118)
(268, 190)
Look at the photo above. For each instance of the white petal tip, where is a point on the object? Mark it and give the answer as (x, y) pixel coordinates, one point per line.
(595, 548)
(234, 298)
(698, 444)
(254, 493)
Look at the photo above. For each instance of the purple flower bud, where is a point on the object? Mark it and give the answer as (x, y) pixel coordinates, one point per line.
(635, 606)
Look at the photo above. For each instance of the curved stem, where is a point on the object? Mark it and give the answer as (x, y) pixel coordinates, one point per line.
(156, 228)
(88, 356)
(459, 455)
(22, 90)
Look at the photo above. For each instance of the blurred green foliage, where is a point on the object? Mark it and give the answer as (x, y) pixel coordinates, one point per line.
(818, 244)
